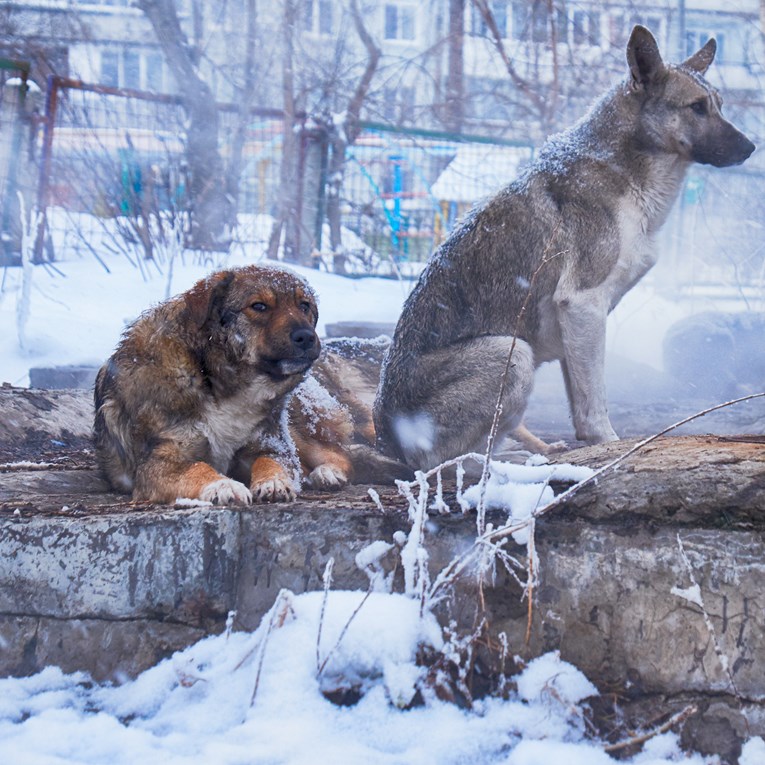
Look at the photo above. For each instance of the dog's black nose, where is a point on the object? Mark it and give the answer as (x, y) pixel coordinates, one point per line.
(303, 338)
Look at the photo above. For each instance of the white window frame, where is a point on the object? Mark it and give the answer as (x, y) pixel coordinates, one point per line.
(145, 56)
(409, 15)
(318, 17)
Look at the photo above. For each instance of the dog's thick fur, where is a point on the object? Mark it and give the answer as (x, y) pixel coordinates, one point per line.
(592, 203)
(193, 401)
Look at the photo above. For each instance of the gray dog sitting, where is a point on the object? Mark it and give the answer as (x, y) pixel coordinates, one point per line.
(577, 231)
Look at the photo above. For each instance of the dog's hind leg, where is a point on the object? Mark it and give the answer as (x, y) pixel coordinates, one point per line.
(535, 444)
(447, 405)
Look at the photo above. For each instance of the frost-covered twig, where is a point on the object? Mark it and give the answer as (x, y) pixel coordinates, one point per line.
(281, 607)
(680, 717)
(23, 306)
(375, 497)
(532, 570)
(327, 580)
(413, 555)
(450, 573)
(230, 617)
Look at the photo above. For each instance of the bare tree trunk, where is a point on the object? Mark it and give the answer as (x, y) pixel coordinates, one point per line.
(246, 102)
(454, 111)
(552, 101)
(212, 213)
(344, 135)
(286, 219)
(335, 172)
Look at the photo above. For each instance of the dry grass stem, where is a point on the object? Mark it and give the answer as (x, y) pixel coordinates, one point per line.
(343, 631)
(680, 717)
(327, 579)
(279, 612)
(498, 408)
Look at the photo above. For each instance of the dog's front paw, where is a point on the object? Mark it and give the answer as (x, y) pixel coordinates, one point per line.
(601, 437)
(327, 478)
(226, 491)
(274, 489)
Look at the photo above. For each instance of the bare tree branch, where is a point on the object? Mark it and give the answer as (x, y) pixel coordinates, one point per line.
(522, 84)
(212, 212)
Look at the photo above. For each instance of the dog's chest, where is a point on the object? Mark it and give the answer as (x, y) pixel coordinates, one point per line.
(231, 423)
(640, 214)
(637, 249)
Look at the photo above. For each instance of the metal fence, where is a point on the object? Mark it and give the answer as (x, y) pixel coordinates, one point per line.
(404, 190)
(113, 164)
(109, 157)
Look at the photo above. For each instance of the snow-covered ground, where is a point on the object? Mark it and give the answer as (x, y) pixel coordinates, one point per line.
(257, 697)
(251, 698)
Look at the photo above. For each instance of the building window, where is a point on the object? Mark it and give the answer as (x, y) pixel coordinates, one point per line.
(561, 25)
(110, 68)
(154, 72)
(586, 28)
(317, 16)
(399, 22)
(399, 105)
(478, 26)
(532, 22)
(131, 68)
(131, 64)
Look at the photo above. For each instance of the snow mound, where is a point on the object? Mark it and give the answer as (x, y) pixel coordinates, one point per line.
(263, 697)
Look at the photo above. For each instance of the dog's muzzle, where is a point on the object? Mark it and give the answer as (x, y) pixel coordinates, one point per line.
(305, 349)
(289, 367)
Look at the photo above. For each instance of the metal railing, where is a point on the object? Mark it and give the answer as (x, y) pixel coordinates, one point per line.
(110, 158)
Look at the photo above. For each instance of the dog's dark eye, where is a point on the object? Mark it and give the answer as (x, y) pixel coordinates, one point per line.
(259, 307)
(305, 306)
(699, 107)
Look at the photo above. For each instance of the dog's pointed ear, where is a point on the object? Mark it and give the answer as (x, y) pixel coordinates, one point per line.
(643, 57)
(206, 297)
(702, 59)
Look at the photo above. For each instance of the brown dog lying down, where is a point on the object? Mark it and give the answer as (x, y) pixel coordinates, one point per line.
(193, 403)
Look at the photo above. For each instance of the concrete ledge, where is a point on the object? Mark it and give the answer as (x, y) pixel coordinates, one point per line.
(63, 377)
(363, 329)
(89, 581)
